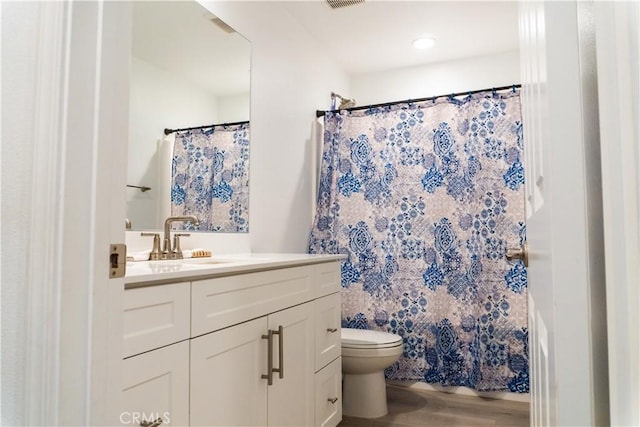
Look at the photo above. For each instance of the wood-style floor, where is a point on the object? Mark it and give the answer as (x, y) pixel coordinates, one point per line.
(412, 408)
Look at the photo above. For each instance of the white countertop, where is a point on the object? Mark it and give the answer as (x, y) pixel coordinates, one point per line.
(150, 272)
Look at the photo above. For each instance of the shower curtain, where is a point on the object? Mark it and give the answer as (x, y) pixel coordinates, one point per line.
(425, 198)
(210, 177)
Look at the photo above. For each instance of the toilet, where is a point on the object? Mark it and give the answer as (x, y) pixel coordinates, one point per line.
(365, 356)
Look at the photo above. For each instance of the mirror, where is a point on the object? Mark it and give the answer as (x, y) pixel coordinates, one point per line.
(188, 69)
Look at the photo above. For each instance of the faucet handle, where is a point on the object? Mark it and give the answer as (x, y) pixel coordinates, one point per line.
(176, 253)
(155, 251)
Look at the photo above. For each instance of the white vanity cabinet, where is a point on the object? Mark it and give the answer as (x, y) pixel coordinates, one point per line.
(262, 349)
(233, 362)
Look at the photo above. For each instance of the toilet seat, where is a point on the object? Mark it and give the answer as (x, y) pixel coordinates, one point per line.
(367, 339)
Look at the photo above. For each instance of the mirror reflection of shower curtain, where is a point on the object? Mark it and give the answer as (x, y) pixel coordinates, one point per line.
(210, 178)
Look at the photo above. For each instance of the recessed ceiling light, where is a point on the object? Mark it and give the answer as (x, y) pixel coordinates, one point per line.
(424, 42)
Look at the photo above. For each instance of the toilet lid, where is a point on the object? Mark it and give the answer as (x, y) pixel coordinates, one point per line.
(363, 338)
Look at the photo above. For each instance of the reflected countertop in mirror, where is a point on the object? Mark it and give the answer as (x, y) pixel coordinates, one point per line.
(188, 69)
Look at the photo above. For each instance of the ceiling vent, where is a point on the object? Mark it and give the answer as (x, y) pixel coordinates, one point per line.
(335, 4)
(217, 22)
(222, 25)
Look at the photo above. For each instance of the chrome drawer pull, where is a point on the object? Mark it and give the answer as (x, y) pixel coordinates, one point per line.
(332, 330)
(270, 369)
(155, 423)
(332, 400)
(269, 375)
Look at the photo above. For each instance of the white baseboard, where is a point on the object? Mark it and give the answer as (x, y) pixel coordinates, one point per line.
(466, 391)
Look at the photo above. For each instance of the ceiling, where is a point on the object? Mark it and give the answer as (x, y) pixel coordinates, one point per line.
(372, 36)
(179, 37)
(377, 34)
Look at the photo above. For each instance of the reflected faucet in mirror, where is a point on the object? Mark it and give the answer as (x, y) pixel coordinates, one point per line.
(174, 251)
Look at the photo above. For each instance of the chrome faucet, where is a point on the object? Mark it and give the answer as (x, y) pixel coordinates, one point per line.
(174, 251)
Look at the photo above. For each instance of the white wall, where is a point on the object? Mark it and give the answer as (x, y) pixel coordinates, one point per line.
(19, 48)
(160, 100)
(290, 79)
(234, 108)
(436, 79)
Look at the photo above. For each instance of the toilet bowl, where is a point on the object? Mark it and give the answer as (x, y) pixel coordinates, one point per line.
(365, 356)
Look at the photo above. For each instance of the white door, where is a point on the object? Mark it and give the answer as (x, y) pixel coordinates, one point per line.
(567, 326)
(77, 207)
(291, 398)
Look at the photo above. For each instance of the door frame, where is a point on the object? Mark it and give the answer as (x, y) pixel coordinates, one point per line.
(618, 50)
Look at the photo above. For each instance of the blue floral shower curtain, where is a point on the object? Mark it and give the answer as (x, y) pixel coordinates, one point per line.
(210, 177)
(425, 198)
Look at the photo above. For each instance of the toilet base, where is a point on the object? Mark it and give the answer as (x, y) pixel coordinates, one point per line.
(364, 395)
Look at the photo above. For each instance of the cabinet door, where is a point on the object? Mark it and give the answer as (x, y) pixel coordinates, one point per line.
(327, 335)
(156, 386)
(227, 388)
(291, 398)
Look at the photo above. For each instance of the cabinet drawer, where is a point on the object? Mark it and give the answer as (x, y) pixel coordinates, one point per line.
(327, 280)
(225, 301)
(155, 385)
(327, 329)
(329, 395)
(155, 316)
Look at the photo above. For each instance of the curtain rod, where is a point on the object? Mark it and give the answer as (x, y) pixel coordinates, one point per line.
(320, 113)
(170, 131)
